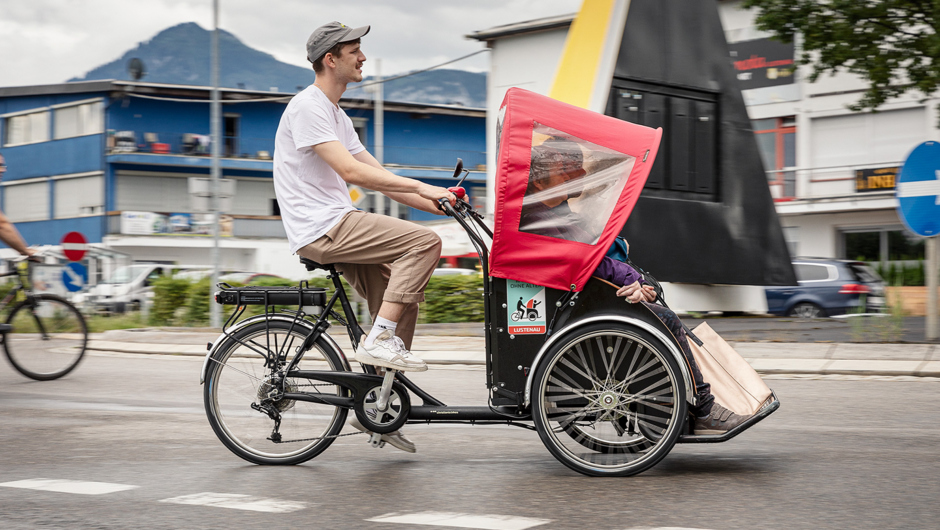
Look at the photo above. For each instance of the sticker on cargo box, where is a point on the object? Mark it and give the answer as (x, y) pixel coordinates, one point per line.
(525, 305)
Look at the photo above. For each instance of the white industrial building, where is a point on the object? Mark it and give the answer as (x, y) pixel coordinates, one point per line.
(818, 154)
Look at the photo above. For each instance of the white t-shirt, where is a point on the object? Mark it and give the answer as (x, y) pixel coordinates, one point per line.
(312, 197)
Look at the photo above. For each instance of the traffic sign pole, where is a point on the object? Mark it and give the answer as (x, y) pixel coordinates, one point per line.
(933, 326)
(918, 193)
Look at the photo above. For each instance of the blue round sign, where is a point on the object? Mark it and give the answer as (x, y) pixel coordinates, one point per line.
(918, 190)
(74, 276)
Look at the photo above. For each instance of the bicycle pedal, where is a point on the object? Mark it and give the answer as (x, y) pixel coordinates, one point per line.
(376, 441)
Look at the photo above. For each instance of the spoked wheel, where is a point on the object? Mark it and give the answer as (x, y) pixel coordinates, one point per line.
(239, 389)
(609, 400)
(47, 339)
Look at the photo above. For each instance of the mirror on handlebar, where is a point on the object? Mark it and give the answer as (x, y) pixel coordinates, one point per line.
(459, 169)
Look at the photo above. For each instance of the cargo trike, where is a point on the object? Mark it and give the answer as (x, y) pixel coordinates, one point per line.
(602, 381)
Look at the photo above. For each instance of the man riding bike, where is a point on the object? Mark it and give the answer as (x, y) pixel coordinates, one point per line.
(317, 153)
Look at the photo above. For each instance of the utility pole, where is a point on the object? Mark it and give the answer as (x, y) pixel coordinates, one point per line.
(215, 117)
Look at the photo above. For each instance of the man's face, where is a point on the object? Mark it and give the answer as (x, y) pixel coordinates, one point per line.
(349, 63)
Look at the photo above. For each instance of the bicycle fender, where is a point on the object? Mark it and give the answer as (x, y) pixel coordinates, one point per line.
(306, 325)
(673, 349)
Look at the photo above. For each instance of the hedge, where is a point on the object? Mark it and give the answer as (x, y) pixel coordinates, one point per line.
(179, 302)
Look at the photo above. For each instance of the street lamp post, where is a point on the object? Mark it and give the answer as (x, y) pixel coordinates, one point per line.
(215, 117)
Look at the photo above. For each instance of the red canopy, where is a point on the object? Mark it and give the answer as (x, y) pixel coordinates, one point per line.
(566, 181)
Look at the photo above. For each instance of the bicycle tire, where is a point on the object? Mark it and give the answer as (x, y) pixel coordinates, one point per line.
(599, 375)
(236, 380)
(48, 337)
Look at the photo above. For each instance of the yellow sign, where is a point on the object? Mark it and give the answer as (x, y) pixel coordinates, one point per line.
(876, 179)
(356, 194)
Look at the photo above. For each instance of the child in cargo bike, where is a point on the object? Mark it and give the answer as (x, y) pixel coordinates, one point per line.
(556, 175)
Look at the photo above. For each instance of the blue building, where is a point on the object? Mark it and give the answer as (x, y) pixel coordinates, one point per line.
(124, 163)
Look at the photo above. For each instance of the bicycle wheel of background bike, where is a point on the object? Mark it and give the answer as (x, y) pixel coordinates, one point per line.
(609, 400)
(238, 378)
(48, 338)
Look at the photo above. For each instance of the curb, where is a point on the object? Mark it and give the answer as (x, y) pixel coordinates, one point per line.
(762, 366)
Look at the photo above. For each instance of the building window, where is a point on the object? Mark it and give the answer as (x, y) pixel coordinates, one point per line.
(231, 135)
(776, 139)
(27, 128)
(78, 120)
(77, 197)
(361, 124)
(26, 202)
(883, 245)
(791, 234)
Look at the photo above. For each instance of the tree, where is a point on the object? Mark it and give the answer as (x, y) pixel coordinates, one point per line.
(893, 44)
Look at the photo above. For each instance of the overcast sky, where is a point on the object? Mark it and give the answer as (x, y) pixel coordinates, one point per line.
(50, 41)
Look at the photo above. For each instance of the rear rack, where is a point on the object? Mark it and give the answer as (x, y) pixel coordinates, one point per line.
(300, 296)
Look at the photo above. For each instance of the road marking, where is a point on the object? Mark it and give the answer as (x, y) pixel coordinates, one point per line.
(68, 486)
(461, 520)
(238, 502)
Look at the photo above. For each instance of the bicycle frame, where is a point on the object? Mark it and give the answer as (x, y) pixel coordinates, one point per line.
(431, 409)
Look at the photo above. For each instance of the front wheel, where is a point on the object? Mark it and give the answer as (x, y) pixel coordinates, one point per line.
(240, 384)
(609, 400)
(47, 338)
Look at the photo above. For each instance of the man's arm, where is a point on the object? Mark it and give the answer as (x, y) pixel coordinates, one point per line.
(408, 199)
(10, 236)
(368, 176)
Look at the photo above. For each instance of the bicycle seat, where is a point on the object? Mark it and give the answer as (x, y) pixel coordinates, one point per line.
(313, 265)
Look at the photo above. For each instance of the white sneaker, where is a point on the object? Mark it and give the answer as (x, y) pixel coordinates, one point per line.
(389, 351)
(396, 439)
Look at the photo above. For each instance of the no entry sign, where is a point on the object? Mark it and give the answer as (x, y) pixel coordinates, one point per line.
(74, 246)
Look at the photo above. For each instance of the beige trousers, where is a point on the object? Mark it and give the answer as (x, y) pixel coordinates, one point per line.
(383, 259)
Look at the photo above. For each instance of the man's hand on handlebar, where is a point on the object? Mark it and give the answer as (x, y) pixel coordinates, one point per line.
(435, 193)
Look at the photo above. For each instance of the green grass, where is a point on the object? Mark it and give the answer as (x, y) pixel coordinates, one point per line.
(99, 323)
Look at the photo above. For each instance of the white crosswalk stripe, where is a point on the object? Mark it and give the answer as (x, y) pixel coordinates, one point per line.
(238, 502)
(68, 486)
(461, 520)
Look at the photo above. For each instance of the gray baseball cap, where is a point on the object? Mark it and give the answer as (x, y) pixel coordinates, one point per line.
(329, 35)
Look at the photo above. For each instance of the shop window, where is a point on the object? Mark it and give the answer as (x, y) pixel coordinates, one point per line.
(883, 245)
(26, 128)
(776, 139)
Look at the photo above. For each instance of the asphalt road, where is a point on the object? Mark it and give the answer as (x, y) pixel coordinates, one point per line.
(838, 454)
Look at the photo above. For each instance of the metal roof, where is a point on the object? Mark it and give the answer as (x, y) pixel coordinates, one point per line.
(227, 95)
(521, 28)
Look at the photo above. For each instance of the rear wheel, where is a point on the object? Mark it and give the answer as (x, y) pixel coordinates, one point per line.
(807, 310)
(609, 400)
(239, 387)
(47, 339)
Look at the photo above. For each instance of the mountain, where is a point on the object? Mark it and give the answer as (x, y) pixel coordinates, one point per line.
(440, 87)
(180, 55)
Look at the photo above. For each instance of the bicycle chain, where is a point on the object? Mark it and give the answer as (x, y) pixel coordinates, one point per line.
(320, 437)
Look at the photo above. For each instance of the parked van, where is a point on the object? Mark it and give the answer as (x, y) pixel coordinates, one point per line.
(126, 289)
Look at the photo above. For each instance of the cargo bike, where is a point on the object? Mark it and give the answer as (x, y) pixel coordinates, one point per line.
(603, 382)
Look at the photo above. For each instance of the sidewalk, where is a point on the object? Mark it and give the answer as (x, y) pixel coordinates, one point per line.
(461, 344)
